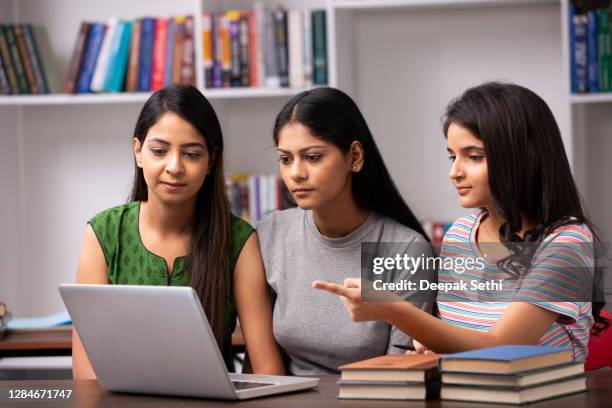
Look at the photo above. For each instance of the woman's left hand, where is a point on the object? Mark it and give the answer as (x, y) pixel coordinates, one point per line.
(350, 293)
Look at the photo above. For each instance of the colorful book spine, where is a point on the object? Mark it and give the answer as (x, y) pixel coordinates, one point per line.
(42, 48)
(572, 46)
(272, 78)
(90, 58)
(605, 50)
(187, 65)
(319, 44)
(217, 51)
(102, 66)
(8, 65)
(233, 18)
(296, 48)
(244, 49)
(593, 55)
(307, 58)
(160, 43)
(207, 48)
(26, 61)
(113, 50)
(179, 45)
(580, 53)
(145, 56)
(132, 74)
(115, 82)
(36, 58)
(16, 59)
(254, 49)
(226, 46)
(5, 87)
(282, 52)
(169, 52)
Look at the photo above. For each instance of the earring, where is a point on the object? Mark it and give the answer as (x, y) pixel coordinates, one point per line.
(354, 168)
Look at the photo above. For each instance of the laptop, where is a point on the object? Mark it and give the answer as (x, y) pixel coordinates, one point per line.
(157, 340)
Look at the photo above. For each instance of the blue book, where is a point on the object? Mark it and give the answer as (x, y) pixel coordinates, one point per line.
(217, 75)
(112, 56)
(572, 46)
(593, 54)
(90, 57)
(580, 49)
(43, 322)
(169, 52)
(119, 58)
(506, 359)
(145, 54)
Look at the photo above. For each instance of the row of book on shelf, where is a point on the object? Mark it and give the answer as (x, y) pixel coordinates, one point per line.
(143, 55)
(513, 374)
(23, 50)
(264, 47)
(590, 49)
(251, 196)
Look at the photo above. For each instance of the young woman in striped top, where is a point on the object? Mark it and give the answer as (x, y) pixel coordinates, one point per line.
(508, 162)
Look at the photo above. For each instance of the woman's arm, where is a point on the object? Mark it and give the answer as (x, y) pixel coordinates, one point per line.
(91, 268)
(255, 311)
(521, 322)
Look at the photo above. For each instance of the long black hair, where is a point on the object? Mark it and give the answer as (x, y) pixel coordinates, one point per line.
(332, 116)
(529, 174)
(208, 259)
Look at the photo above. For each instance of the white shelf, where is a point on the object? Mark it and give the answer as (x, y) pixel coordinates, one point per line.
(122, 98)
(591, 98)
(383, 4)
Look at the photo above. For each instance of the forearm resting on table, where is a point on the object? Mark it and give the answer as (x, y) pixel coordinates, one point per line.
(443, 337)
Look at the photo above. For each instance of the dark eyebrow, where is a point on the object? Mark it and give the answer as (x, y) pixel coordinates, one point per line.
(304, 149)
(192, 144)
(472, 147)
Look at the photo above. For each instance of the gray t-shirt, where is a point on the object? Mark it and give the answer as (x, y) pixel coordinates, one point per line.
(310, 325)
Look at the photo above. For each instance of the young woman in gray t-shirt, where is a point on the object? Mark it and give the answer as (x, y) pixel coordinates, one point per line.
(345, 196)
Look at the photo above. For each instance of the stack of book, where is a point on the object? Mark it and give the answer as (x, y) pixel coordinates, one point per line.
(5, 316)
(252, 196)
(23, 49)
(515, 374)
(391, 377)
(264, 48)
(590, 49)
(134, 56)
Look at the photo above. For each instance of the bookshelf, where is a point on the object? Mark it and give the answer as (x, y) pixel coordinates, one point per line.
(138, 97)
(65, 157)
(592, 98)
(429, 4)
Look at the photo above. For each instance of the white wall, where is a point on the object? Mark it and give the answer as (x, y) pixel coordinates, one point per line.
(9, 211)
(9, 204)
(442, 52)
(598, 162)
(75, 165)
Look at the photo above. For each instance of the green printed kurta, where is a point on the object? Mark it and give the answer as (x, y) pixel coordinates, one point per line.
(131, 263)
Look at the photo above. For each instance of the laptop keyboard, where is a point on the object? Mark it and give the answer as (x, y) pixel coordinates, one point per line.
(245, 385)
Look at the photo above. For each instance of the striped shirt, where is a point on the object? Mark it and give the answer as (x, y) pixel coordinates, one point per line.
(559, 275)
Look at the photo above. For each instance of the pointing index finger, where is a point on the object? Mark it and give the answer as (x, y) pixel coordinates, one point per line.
(331, 287)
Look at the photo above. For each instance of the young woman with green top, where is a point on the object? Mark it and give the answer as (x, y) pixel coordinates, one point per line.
(177, 229)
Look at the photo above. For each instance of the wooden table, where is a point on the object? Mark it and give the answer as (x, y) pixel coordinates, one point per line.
(35, 343)
(57, 342)
(89, 394)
